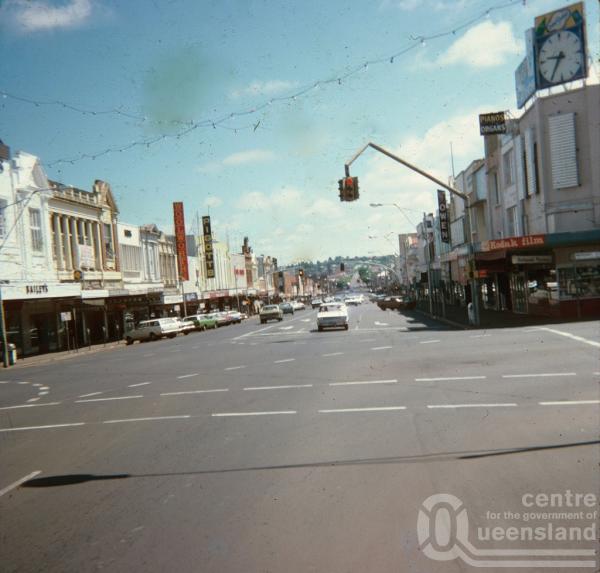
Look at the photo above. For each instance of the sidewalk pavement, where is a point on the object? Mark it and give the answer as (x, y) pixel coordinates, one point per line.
(66, 355)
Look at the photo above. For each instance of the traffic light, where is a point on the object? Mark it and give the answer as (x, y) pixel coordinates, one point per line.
(274, 263)
(348, 188)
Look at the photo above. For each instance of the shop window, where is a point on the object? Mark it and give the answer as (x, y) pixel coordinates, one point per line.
(542, 287)
(511, 222)
(579, 282)
(35, 226)
(108, 241)
(508, 168)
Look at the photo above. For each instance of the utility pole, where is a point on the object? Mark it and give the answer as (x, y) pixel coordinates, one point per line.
(5, 360)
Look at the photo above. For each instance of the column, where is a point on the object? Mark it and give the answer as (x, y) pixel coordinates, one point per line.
(98, 247)
(58, 244)
(89, 240)
(65, 223)
(74, 242)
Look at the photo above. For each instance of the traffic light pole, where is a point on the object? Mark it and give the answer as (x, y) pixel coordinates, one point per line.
(463, 196)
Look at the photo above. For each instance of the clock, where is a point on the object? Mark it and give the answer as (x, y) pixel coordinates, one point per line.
(561, 58)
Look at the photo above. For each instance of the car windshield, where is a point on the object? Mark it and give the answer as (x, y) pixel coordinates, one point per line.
(299, 285)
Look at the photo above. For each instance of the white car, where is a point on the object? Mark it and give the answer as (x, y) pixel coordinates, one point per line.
(297, 305)
(332, 315)
(186, 326)
(153, 330)
(353, 300)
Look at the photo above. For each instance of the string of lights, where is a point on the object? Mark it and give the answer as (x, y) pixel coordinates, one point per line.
(220, 122)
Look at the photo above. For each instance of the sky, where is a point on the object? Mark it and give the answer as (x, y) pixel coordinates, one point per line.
(247, 110)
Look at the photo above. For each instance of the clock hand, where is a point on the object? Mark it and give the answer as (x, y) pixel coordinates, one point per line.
(557, 63)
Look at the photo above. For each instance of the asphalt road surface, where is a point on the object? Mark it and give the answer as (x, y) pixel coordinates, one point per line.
(398, 445)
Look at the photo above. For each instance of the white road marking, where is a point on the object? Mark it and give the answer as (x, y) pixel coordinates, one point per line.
(543, 375)
(284, 360)
(44, 388)
(91, 394)
(286, 328)
(253, 332)
(38, 385)
(183, 417)
(471, 405)
(569, 402)
(376, 323)
(332, 354)
(4, 381)
(107, 399)
(187, 376)
(139, 384)
(445, 378)
(596, 373)
(394, 381)
(572, 336)
(18, 482)
(195, 392)
(278, 387)
(33, 399)
(428, 341)
(480, 335)
(236, 367)
(23, 382)
(41, 427)
(306, 320)
(381, 348)
(30, 405)
(42, 393)
(379, 409)
(232, 414)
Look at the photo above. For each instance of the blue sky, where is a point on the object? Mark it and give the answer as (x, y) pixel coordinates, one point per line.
(270, 173)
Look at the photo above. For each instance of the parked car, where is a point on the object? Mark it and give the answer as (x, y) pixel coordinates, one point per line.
(153, 330)
(316, 302)
(297, 305)
(235, 316)
(391, 302)
(286, 308)
(203, 321)
(223, 318)
(332, 315)
(186, 326)
(270, 312)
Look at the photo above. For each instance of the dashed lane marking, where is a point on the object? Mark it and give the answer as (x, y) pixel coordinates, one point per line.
(375, 409)
(33, 399)
(428, 341)
(17, 483)
(361, 382)
(235, 414)
(480, 335)
(569, 402)
(279, 387)
(23, 382)
(187, 376)
(542, 375)
(284, 360)
(108, 399)
(22, 428)
(30, 405)
(235, 367)
(138, 384)
(151, 419)
(209, 391)
(432, 406)
(381, 348)
(332, 354)
(91, 394)
(449, 378)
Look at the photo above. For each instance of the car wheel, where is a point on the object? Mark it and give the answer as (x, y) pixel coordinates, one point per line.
(279, 319)
(345, 327)
(173, 335)
(186, 332)
(262, 321)
(153, 337)
(129, 341)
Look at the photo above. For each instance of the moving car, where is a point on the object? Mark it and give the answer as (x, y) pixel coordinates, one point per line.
(202, 321)
(153, 330)
(316, 302)
(353, 300)
(270, 312)
(297, 305)
(391, 302)
(286, 308)
(332, 315)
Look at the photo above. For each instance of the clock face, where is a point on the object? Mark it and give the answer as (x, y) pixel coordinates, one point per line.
(560, 57)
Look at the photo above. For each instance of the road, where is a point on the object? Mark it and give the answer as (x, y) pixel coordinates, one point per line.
(276, 448)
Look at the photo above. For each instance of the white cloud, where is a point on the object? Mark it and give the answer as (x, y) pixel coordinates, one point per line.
(486, 45)
(40, 15)
(324, 208)
(266, 88)
(250, 156)
(253, 201)
(213, 201)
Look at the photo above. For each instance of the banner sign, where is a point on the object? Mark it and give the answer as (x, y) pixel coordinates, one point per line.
(531, 259)
(525, 73)
(491, 123)
(208, 248)
(513, 243)
(180, 241)
(444, 219)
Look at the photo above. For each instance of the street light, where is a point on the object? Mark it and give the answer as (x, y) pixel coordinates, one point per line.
(443, 185)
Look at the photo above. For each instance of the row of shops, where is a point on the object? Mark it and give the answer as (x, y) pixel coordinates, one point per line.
(42, 318)
(554, 275)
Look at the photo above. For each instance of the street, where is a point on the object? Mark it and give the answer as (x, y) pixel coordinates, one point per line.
(279, 448)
